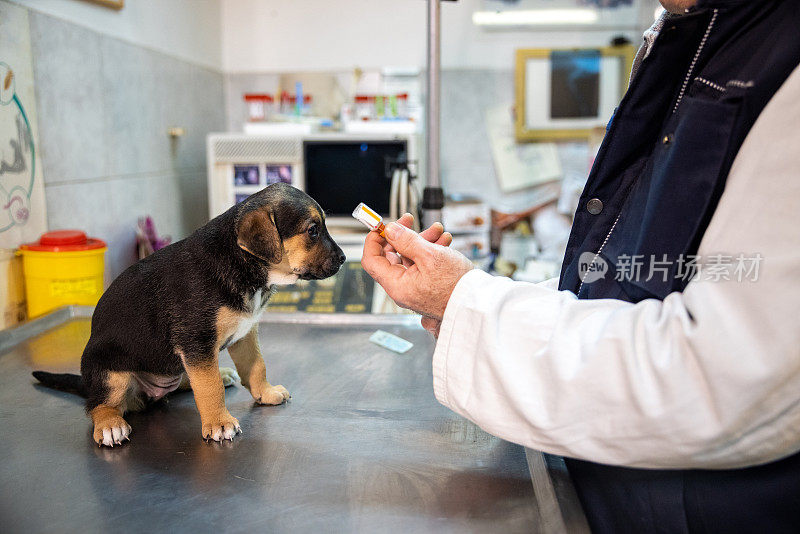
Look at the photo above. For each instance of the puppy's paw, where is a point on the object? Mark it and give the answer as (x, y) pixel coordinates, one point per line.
(229, 376)
(221, 428)
(271, 395)
(111, 431)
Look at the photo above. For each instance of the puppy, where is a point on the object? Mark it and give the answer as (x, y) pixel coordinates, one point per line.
(165, 319)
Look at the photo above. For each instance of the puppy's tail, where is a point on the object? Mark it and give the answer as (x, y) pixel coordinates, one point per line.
(62, 381)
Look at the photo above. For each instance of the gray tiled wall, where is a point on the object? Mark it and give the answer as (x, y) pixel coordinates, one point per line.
(104, 107)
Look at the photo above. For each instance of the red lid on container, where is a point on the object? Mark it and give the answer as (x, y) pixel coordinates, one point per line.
(293, 99)
(64, 241)
(258, 96)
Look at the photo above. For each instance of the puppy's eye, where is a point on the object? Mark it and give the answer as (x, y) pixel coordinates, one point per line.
(313, 231)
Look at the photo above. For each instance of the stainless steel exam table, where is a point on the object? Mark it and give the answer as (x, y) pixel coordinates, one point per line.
(362, 446)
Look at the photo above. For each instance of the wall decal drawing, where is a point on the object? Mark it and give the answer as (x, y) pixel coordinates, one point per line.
(22, 204)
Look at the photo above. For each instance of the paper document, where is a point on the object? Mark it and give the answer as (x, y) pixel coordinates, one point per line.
(519, 165)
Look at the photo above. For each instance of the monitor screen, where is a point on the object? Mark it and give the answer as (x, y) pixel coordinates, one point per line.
(340, 174)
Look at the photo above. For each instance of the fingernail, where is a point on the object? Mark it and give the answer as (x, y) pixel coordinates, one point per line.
(394, 230)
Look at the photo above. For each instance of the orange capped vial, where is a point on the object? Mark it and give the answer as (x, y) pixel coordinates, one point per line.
(371, 220)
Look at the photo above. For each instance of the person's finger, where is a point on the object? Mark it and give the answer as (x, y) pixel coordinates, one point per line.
(432, 233)
(374, 244)
(407, 243)
(380, 268)
(394, 258)
(406, 220)
(445, 239)
(373, 259)
(386, 274)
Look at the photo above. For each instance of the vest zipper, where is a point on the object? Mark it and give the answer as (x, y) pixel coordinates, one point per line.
(674, 109)
(694, 60)
(599, 251)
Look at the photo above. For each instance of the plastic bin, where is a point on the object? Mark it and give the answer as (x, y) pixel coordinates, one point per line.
(62, 268)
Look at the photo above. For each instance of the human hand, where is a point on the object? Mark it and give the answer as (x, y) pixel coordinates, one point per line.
(434, 234)
(416, 273)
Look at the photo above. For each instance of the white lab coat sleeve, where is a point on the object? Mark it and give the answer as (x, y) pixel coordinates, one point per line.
(705, 378)
(550, 284)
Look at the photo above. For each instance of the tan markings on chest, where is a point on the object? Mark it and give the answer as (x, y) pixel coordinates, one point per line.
(233, 325)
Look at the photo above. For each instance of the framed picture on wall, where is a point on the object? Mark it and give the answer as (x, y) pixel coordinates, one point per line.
(566, 93)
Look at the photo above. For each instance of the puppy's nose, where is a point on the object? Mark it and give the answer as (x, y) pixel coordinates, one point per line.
(341, 258)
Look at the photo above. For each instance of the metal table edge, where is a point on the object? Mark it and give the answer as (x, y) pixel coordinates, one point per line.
(12, 337)
(559, 507)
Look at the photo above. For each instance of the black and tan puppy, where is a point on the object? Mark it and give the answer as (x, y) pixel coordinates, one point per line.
(166, 318)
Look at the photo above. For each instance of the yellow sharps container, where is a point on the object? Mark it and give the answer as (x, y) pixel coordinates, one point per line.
(63, 267)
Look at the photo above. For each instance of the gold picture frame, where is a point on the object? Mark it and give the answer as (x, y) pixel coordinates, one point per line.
(113, 4)
(614, 67)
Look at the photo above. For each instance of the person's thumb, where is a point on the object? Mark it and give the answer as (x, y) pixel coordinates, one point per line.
(405, 241)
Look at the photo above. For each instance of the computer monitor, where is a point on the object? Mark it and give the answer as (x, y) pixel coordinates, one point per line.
(342, 173)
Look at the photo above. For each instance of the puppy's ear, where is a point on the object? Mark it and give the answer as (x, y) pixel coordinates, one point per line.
(256, 233)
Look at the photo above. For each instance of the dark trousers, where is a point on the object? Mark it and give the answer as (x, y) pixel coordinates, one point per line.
(763, 499)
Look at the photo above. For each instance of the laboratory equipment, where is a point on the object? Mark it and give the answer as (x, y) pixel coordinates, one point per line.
(338, 170)
(259, 106)
(338, 174)
(468, 219)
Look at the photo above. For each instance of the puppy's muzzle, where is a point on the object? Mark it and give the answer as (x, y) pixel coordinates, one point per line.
(328, 268)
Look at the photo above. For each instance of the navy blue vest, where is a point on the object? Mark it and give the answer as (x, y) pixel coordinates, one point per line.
(651, 193)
